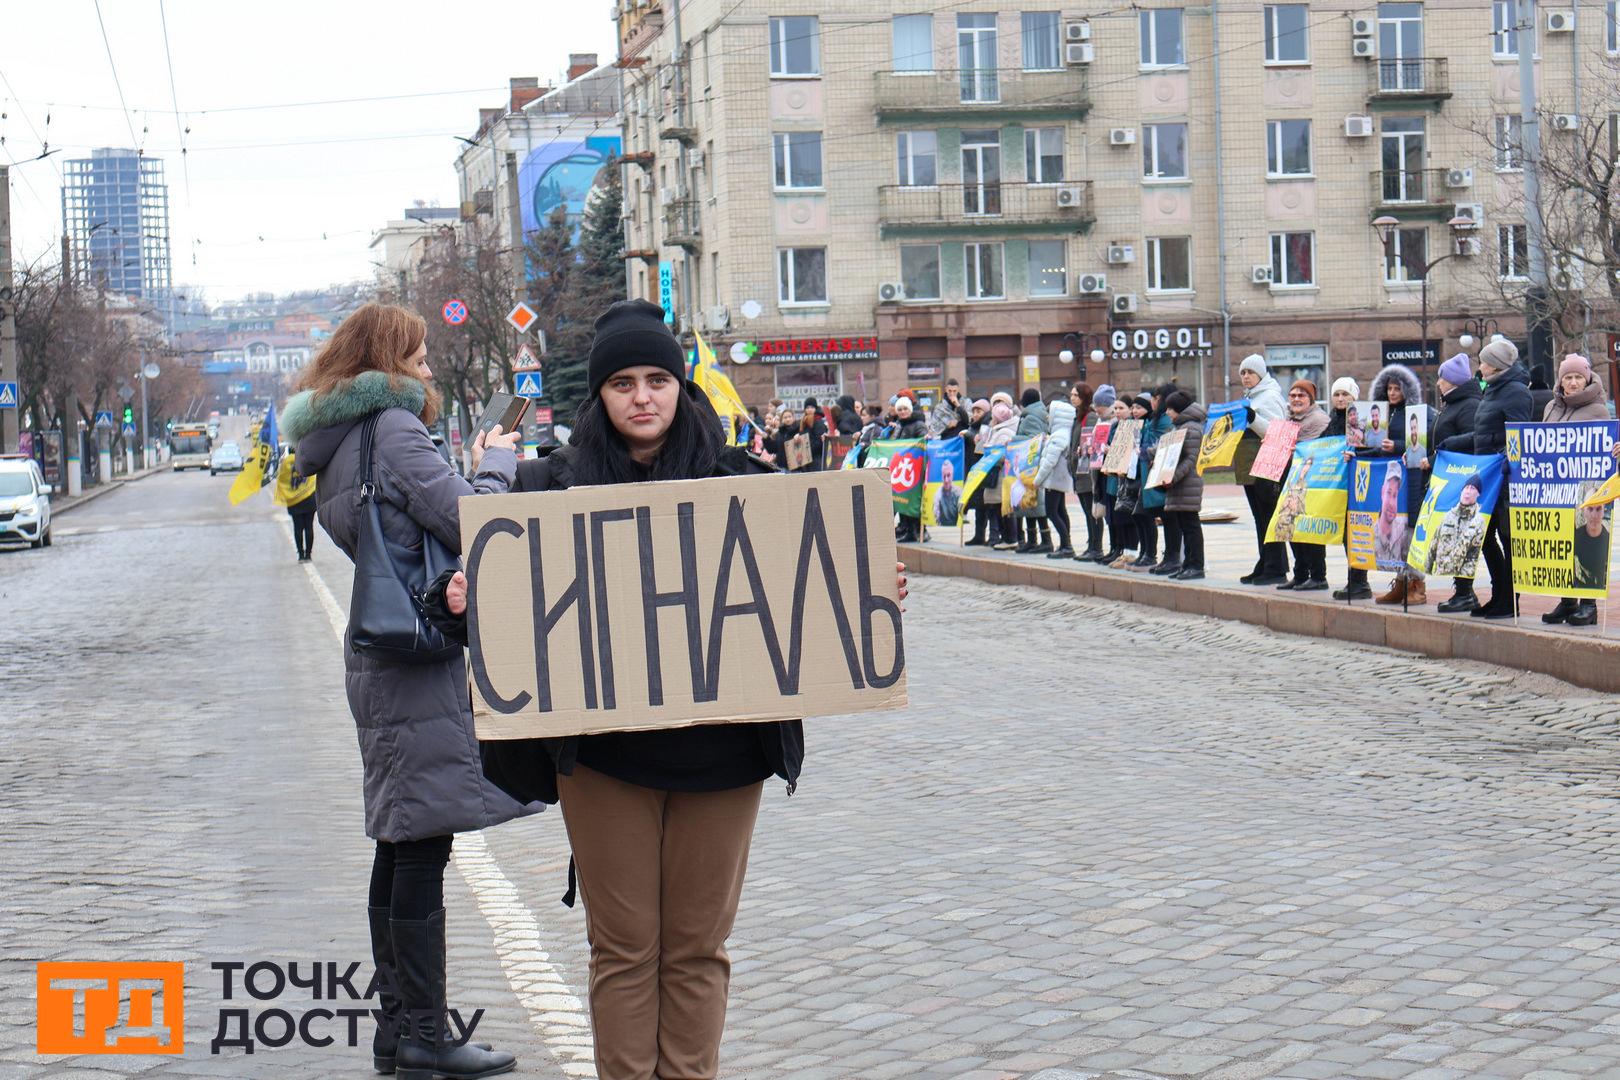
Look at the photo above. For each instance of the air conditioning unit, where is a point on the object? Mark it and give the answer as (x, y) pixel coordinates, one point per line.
(1363, 26)
(1068, 198)
(1125, 304)
(1077, 31)
(1468, 245)
(1364, 47)
(1472, 213)
(1260, 274)
(1459, 178)
(666, 195)
(891, 292)
(1560, 22)
(697, 159)
(1119, 254)
(1079, 53)
(1358, 127)
(1121, 136)
(1566, 122)
(1092, 284)
(719, 317)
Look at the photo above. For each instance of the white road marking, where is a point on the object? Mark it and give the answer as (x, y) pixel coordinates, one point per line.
(555, 1011)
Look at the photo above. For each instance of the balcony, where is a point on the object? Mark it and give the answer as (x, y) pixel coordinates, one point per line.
(991, 209)
(1396, 83)
(1414, 192)
(683, 224)
(905, 97)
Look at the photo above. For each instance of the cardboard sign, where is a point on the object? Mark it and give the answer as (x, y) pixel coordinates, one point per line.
(636, 606)
(1276, 450)
(1121, 457)
(797, 452)
(1166, 456)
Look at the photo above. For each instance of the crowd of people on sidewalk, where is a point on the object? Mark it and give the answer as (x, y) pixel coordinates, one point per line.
(1130, 524)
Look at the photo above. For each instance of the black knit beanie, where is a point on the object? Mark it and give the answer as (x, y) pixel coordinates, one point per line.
(629, 333)
(1178, 400)
(1030, 396)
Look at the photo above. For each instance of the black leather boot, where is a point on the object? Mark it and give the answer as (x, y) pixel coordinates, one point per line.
(1585, 614)
(1463, 599)
(425, 1052)
(1565, 608)
(385, 1043)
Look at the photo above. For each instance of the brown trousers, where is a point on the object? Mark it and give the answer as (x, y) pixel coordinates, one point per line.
(660, 873)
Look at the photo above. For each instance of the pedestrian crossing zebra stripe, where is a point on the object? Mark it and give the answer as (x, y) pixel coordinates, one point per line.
(554, 1009)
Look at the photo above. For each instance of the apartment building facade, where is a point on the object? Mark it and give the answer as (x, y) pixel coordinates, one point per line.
(851, 201)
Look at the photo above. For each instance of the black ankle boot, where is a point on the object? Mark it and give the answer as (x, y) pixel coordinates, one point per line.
(1565, 608)
(1585, 614)
(425, 1052)
(1464, 599)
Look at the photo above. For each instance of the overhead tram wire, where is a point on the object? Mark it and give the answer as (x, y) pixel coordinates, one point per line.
(44, 142)
(128, 119)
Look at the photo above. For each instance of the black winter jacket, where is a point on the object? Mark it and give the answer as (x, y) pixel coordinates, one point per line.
(1505, 401)
(530, 766)
(1454, 426)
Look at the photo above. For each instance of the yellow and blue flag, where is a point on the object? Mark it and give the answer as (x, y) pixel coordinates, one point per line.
(722, 394)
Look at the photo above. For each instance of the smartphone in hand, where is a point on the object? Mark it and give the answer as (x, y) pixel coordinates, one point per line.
(505, 410)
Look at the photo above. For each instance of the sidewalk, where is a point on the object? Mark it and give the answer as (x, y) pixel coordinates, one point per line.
(1585, 656)
(61, 504)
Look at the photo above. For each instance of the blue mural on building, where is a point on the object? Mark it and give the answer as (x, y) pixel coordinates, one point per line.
(562, 173)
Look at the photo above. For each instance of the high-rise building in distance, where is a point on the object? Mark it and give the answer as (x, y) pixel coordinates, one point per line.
(115, 215)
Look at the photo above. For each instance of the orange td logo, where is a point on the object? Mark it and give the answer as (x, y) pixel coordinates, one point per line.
(110, 1008)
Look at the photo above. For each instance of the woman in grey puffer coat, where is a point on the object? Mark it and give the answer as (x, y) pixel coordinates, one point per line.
(423, 775)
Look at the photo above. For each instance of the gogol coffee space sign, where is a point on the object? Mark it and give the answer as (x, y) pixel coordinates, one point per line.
(1162, 343)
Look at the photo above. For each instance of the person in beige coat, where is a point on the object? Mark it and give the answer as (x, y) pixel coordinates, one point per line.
(1579, 397)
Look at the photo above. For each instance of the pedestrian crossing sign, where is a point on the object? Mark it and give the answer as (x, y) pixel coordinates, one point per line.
(8, 395)
(104, 419)
(129, 431)
(528, 384)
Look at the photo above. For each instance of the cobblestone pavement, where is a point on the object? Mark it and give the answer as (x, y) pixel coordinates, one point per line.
(1103, 841)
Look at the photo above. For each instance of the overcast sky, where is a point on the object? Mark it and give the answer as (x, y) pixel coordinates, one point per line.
(288, 175)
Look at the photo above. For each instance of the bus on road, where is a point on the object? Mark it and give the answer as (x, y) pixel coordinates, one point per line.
(189, 446)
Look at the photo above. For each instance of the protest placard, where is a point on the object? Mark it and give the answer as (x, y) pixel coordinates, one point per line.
(903, 460)
(1223, 431)
(1122, 447)
(1311, 509)
(796, 451)
(1375, 521)
(1166, 456)
(1417, 435)
(1097, 448)
(942, 491)
(629, 607)
(979, 474)
(1019, 491)
(1276, 450)
(1450, 528)
(1560, 544)
(1372, 424)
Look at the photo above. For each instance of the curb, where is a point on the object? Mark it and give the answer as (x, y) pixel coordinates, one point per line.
(103, 489)
(1586, 661)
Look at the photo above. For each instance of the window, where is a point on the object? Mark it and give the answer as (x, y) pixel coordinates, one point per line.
(1169, 263)
(1162, 38)
(708, 79)
(1512, 252)
(1287, 37)
(1612, 26)
(919, 271)
(1293, 258)
(1407, 258)
(981, 172)
(918, 151)
(1043, 155)
(1508, 141)
(1403, 155)
(1509, 18)
(802, 275)
(976, 56)
(982, 266)
(798, 159)
(1043, 41)
(1288, 148)
(795, 45)
(1048, 268)
(914, 43)
(1164, 151)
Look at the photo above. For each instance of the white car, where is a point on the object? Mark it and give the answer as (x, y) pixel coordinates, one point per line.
(227, 458)
(25, 503)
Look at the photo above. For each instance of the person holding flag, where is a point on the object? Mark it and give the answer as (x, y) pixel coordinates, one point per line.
(722, 394)
(260, 467)
(296, 492)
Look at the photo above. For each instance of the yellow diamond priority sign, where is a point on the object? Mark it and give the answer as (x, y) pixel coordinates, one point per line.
(522, 317)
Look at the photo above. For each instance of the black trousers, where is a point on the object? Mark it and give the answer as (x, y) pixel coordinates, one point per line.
(1498, 552)
(1189, 534)
(1147, 532)
(408, 877)
(1121, 527)
(1094, 525)
(1262, 496)
(1310, 562)
(1057, 512)
(303, 531)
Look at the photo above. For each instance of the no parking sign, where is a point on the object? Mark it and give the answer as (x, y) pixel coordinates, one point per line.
(455, 312)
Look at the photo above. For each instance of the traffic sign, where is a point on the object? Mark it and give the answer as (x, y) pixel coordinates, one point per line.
(104, 419)
(129, 431)
(455, 312)
(527, 384)
(8, 395)
(525, 359)
(522, 317)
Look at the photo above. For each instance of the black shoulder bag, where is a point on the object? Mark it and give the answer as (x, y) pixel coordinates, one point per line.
(386, 619)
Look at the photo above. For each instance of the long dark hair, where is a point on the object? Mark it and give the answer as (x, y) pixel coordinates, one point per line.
(690, 451)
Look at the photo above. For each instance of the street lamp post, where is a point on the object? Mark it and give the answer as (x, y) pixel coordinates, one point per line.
(1081, 341)
(1385, 227)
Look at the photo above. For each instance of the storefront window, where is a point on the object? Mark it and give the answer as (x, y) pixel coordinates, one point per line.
(985, 377)
(1290, 363)
(795, 382)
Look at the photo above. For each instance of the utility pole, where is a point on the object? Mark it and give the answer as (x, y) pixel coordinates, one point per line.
(688, 301)
(10, 439)
(1536, 227)
(514, 217)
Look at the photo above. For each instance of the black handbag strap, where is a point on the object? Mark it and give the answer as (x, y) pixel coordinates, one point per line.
(368, 434)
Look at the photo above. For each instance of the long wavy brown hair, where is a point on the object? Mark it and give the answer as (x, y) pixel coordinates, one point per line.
(376, 337)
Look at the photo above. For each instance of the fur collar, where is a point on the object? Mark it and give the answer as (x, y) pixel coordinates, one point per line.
(366, 393)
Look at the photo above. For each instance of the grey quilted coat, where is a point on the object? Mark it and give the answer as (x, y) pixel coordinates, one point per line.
(423, 775)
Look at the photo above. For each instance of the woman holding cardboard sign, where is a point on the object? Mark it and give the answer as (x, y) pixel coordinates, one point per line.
(660, 821)
(360, 424)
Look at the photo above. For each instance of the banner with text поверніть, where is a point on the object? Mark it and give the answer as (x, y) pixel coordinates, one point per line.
(1560, 545)
(629, 607)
